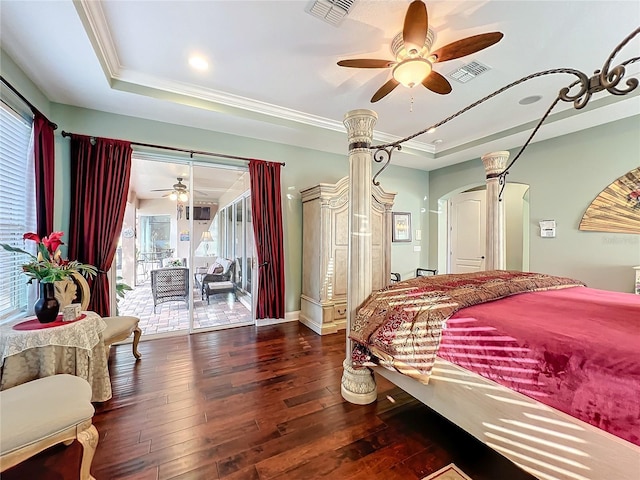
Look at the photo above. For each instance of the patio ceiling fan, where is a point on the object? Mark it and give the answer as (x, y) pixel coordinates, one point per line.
(178, 192)
(414, 59)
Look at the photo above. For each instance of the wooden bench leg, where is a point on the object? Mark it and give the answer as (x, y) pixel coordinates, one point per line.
(88, 438)
(136, 338)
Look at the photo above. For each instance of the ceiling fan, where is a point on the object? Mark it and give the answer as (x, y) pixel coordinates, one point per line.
(414, 58)
(178, 192)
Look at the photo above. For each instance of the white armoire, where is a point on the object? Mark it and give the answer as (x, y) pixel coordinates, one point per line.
(325, 251)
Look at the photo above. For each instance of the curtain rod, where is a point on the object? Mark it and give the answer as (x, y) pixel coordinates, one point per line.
(33, 108)
(190, 152)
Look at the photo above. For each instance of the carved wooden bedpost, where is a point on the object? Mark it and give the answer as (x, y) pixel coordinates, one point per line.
(358, 385)
(494, 164)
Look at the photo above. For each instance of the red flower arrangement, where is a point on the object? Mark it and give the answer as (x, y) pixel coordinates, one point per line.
(48, 266)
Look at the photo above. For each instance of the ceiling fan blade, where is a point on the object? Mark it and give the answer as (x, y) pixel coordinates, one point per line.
(416, 25)
(384, 90)
(437, 83)
(162, 190)
(467, 46)
(366, 63)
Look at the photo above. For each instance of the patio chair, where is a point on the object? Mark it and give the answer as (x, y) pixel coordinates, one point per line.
(170, 285)
(221, 282)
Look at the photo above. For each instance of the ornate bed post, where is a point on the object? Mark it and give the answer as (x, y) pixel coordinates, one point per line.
(494, 164)
(358, 385)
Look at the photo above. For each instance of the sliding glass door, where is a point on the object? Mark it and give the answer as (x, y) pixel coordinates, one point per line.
(221, 278)
(180, 265)
(236, 234)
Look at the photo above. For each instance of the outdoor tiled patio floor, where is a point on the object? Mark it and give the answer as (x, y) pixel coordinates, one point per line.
(174, 316)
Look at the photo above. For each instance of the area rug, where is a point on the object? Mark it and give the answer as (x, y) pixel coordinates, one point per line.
(450, 472)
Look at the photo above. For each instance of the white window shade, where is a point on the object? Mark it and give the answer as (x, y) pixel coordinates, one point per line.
(17, 208)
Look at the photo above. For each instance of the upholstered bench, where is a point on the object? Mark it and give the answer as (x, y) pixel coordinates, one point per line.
(119, 329)
(209, 288)
(39, 414)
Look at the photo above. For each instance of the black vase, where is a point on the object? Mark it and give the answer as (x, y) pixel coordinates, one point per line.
(47, 306)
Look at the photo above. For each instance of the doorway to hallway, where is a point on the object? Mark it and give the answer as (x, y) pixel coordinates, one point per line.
(462, 229)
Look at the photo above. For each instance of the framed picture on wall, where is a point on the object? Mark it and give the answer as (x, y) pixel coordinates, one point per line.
(401, 227)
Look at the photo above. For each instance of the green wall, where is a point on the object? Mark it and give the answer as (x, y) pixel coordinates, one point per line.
(565, 174)
(304, 168)
(16, 77)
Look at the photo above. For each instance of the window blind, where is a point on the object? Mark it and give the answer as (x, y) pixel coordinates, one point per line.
(17, 212)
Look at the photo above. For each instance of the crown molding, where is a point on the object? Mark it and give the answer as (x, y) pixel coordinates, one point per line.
(95, 25)
(120, 78)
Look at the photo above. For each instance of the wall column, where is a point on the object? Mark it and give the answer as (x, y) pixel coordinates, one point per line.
(358, 384)
(494, 164)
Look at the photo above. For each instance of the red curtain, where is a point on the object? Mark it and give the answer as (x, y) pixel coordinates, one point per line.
(266, 206)
(44, 159)
(100, 171)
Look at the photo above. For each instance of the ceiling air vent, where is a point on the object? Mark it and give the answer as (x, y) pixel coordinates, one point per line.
(331, 11)
(468, 72)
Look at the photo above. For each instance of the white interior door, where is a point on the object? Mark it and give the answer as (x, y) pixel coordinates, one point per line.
(467, 234)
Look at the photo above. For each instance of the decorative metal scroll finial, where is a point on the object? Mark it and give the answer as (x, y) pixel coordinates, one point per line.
(601, 80)
(383, 154)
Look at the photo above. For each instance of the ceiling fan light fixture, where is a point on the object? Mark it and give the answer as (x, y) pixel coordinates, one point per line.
(173, 196)
(183, 197)
(412, 71)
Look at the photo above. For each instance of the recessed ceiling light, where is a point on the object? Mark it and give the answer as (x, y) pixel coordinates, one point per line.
(530, 100)
(198, 62)
(431, 130)
(438, 141)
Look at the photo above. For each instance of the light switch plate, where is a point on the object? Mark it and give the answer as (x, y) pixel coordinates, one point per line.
(417, 248)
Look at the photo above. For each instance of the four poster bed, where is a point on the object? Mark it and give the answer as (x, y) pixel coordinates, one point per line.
(543, 369)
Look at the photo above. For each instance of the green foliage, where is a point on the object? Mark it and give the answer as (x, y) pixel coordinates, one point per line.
(47, 270)
(121, 288)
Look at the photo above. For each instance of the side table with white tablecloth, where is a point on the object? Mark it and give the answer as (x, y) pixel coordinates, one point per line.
(76, 348)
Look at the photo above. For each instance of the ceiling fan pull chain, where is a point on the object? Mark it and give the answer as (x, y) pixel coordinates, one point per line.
(411, 105)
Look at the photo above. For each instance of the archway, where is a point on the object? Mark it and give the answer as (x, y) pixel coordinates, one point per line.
(516, 198)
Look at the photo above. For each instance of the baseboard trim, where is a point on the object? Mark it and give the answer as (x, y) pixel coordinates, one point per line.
(325, 328)
(288, 317)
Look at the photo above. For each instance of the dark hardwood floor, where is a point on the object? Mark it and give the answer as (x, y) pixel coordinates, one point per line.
(259, 403)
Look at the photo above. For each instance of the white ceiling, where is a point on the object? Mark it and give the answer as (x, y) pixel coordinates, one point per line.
(273, 72)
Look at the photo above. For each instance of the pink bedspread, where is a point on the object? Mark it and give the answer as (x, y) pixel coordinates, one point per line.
(579, 352)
